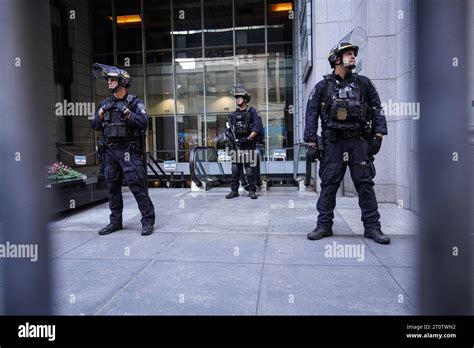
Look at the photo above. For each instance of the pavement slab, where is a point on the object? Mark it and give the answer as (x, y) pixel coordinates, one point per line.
(214, 256)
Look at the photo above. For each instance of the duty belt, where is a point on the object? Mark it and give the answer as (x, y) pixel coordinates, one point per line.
(345, 134)
(125, 145)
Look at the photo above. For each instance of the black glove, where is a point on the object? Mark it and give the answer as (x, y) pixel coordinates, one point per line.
(123, 108)
(312, 154)
(374, 146)
(108, 105)
(244, 141)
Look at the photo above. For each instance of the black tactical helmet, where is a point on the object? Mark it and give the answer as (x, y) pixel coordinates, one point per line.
(241, 92)
(339, 49)
(102, 71)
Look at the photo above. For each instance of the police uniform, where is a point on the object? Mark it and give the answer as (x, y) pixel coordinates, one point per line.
(243, 123)
(123, 140)
(351, 114)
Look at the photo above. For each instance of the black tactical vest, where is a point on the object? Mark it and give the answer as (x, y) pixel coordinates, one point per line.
(116, 128)
(242, 122)
(344, 107)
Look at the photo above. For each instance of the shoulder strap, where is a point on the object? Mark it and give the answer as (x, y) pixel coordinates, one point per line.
(132, 101)
(362, 87)
(106, 100)
(331, 85)
(249, 116)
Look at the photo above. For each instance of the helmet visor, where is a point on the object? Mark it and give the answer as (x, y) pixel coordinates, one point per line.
(102, 71)
(357, 37)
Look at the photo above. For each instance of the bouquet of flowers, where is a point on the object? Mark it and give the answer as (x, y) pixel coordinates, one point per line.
(60, 171)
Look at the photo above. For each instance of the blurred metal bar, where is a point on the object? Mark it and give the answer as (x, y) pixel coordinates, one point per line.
(26, 101)
(441, 75)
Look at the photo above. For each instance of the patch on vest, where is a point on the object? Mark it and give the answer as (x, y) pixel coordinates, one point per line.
(141, 108)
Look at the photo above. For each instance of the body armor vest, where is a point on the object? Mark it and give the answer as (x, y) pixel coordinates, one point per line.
(345, 107)
(116, 127)
(242, 123)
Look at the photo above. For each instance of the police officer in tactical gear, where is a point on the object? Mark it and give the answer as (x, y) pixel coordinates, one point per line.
(353, 125)
(122, 122)
(244, 127)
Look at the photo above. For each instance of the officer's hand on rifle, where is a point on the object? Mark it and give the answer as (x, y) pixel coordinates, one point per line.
(122, 107)
(108, 105)
(244, 141)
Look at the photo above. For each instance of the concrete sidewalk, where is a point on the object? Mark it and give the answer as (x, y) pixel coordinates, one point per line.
(212, 256)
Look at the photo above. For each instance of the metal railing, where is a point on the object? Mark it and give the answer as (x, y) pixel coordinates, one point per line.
(310, 175)
(167, 179)
(204, 167)
(89, 145)
(201, 161)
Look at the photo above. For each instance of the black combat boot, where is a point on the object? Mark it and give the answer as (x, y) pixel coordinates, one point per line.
(232, 194)
(110, 228)
(253, 195)
(147, 230)
(319, 232)
(377, 235)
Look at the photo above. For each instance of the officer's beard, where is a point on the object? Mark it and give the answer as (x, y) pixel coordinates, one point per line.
(346, 63)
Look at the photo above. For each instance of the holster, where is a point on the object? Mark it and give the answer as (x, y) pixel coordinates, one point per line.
(320, 146)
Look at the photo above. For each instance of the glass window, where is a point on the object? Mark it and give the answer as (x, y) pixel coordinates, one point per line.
(280, 82)
(187, 23)
(161, 137)
(157, 24)
(218, 23)
(249, 22)
(277, 131)
(160, 98)
(219, 52)
(189, 53)
(219, 82)
(129, 21)
(279, 20)
(263, 145)
(160, 104)
(251, 76)
(129, 59)
(189, 86)
(280, 102)
(215, 130)
(250, 50)
(284, 48)
(102, 37)
(188, 135)
(158, 57)
(107, 59)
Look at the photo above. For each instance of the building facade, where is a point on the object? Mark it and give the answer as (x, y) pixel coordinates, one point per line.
(185, 56)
